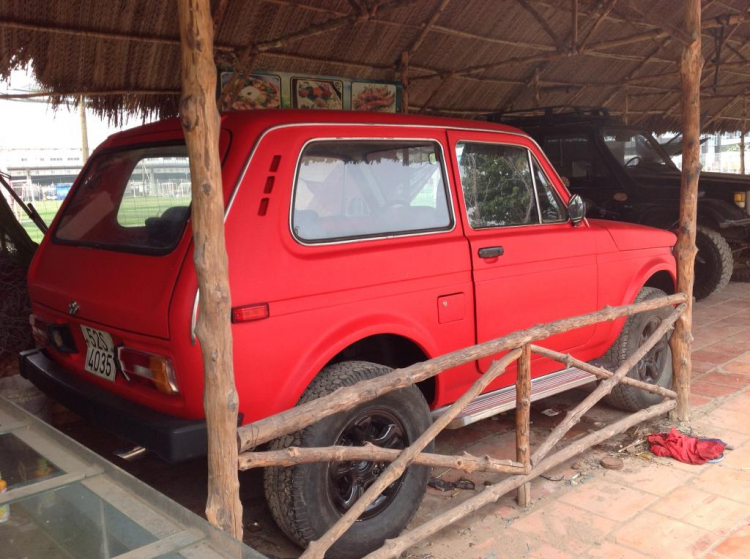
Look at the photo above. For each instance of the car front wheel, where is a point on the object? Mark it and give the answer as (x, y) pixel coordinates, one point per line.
(306, 500)
(655, 368)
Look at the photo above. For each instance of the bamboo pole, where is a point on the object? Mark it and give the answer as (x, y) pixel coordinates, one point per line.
(297, 455)
(404, 67)
(394, 547)
(600, 372)
(342, 399)
(200, 122)
(95, 93)
(602, 16)
(690, 72)
(523, 421)
(318, 548)
(546, 27)
(606, 387)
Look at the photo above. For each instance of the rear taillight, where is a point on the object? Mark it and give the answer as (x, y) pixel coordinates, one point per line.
(156, 369)
(48, 334)
(39, 331)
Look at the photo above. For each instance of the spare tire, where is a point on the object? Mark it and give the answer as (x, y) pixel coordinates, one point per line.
(713, 262)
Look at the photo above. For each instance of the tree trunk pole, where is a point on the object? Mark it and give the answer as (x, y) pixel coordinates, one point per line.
(200, 122)
(523, 421)
(690, 72)
(404, 73)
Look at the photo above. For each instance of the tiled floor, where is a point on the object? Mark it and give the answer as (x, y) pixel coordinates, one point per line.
(654, 507)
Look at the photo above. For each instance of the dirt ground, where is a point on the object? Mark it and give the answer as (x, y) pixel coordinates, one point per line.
(653, 507)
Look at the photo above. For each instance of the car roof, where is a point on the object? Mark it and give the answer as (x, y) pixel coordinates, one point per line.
(268, 118)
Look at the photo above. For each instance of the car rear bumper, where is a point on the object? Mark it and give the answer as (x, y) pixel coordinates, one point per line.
(171, 438)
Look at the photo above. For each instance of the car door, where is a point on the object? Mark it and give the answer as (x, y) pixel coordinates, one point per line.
(530, 264)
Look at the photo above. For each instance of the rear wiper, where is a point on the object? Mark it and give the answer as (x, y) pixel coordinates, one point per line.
(28, 208)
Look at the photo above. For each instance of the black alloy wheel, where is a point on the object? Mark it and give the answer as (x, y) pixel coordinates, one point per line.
(651, 367)
(349, 480)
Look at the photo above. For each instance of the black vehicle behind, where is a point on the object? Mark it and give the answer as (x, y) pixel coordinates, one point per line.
(625, 174)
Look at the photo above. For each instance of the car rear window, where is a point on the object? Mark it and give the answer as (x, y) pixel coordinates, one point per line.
(349, 189)
(136, 200)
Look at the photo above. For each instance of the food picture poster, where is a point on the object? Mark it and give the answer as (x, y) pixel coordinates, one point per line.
(273, 90)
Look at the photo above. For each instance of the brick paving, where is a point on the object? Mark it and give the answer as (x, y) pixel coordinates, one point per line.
(654, 507)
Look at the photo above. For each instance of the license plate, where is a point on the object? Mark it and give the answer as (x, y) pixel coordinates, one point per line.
(100, 353)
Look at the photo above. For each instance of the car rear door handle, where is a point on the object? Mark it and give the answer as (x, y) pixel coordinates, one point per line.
(491, 252)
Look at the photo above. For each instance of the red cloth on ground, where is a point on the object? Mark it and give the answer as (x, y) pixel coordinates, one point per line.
(683, 448)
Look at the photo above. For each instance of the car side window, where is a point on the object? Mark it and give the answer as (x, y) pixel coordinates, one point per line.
(550, 205)
(575, 157)
(359, 189)
(497, 185)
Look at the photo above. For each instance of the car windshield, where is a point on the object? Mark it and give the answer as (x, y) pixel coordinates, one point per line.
(636, 151)
(137, 200)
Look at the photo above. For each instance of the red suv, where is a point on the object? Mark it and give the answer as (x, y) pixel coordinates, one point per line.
(357, 243)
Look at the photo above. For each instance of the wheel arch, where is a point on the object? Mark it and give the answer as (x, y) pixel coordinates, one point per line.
(663, 280)
(391, 350)
(391, 343)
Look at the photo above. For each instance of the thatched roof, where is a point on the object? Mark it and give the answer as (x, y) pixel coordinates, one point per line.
(466, 57)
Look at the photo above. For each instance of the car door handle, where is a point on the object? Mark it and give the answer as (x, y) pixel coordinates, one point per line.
(491, 252)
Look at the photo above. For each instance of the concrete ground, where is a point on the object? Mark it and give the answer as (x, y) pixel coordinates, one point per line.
(654, 507)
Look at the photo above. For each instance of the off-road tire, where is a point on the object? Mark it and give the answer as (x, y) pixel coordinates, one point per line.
(298, 496)
(716, 273)
(629, 398)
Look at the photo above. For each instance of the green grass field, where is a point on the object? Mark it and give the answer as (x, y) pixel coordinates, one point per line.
(133, 211)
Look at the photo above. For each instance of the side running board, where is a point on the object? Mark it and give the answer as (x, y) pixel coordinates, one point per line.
(492, 403)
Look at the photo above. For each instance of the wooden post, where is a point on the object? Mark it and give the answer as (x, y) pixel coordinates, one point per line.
(84, 129)
(626, 115)
(690, 72)
(200, 122)
(743, 131)
(523, 413)
(404, 67)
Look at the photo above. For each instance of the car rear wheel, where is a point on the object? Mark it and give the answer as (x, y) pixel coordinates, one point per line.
(713, 263)
(306, 500)
(654, 368)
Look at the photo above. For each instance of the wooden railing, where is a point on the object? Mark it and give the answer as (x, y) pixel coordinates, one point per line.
(526, 467)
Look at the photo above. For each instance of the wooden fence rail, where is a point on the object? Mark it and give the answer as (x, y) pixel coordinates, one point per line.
(526, 466)
(301, 416)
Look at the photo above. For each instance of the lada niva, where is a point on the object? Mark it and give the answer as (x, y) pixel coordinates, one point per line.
(357, 243)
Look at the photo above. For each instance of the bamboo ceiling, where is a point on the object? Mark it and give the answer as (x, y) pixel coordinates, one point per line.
(464, 57)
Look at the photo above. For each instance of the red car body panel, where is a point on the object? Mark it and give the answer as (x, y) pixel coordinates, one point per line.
(430, 289)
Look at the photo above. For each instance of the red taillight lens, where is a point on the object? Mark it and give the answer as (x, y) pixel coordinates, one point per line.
(250, 312)
(155, 368)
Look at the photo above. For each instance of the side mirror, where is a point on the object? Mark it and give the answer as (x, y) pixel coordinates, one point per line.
(576, 209)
